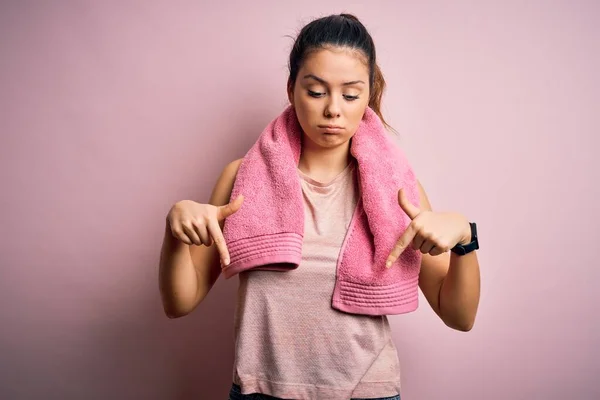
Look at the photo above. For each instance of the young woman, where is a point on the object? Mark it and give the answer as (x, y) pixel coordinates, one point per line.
(290, 342)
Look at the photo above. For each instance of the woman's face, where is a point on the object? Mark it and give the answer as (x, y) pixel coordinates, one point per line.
(330, 95)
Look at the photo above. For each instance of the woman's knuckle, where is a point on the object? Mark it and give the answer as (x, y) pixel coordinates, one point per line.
(198, 221)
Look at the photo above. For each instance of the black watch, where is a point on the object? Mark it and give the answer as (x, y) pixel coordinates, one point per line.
(462, 249)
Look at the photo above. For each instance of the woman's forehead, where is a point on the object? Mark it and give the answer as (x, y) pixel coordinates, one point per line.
(335, 65)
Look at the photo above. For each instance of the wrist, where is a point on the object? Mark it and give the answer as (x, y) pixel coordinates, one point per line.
(469, 242)
(466, 237)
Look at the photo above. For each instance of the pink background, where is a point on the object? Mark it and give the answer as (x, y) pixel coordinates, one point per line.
(112, 111)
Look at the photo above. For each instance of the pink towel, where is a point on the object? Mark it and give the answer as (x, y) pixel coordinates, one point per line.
(267, 232)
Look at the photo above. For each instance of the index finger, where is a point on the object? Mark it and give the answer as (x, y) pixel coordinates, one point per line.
(215, 232)
(402, 243)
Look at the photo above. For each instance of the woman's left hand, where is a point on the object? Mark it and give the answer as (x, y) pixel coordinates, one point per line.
(430, 232)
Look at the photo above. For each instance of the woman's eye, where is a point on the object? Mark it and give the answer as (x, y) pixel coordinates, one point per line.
(315, 94)
(350, 98)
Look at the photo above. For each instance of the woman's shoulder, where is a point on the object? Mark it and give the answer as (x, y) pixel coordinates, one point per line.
(234, 165)
(224, 185)
(230, 171)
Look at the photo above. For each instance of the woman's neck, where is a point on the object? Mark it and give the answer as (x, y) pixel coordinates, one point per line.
(324, 164)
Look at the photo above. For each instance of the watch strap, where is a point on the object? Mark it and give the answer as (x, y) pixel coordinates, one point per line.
(462, 249)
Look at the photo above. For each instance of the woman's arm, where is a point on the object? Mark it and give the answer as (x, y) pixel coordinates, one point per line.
(188, 272)
(451, 283)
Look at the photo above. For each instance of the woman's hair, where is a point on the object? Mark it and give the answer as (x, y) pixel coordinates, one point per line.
(343, 30)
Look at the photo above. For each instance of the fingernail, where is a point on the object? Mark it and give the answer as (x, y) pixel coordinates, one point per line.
(388, 264)
(226, 261)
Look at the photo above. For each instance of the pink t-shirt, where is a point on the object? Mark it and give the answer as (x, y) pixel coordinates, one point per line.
(289, 341)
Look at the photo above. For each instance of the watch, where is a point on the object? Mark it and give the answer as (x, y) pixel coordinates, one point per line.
(462, 249)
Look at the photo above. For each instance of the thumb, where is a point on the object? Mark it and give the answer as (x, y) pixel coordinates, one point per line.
(411, 210)
(229, 209)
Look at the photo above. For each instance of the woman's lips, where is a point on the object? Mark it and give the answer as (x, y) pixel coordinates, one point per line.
(331, 129)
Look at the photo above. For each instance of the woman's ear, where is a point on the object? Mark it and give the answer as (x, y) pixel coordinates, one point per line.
(290, 92)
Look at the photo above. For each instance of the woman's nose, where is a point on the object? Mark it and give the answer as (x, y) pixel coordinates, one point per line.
(332, 109)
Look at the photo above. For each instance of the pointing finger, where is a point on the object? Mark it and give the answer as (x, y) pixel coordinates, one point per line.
(215, 232)
(404, 241)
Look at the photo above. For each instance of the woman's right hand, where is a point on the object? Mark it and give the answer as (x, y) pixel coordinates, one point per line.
(198, 224)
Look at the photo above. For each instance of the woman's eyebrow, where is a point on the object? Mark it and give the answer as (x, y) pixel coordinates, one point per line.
(324, 82)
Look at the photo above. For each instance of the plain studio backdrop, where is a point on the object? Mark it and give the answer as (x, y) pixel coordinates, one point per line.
(111, 111)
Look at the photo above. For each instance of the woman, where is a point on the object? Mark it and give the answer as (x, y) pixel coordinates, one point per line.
(290, 342)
